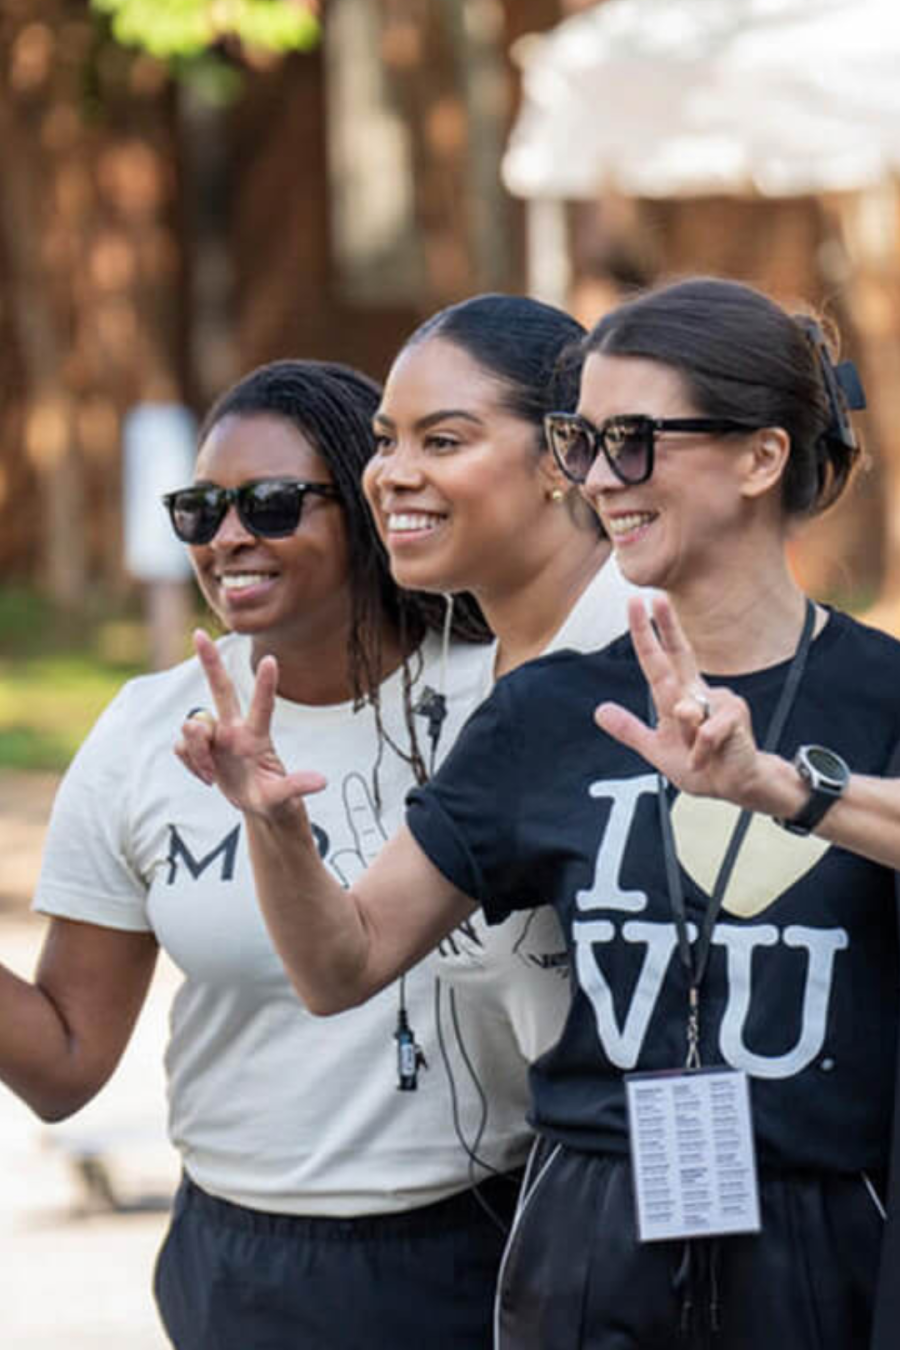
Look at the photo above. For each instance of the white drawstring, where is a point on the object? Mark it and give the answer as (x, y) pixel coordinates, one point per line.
(875, 1197)
(445, 640)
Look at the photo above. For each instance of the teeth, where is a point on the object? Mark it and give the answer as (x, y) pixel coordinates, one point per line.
(412, 520)
(238, 581)
(624, 524)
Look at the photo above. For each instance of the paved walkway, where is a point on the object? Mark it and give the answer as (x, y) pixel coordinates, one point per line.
(76, 1272)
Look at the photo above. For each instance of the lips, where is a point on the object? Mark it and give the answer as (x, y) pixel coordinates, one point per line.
(244, 589)
(241, 581)
(627, 523)
(413, 522)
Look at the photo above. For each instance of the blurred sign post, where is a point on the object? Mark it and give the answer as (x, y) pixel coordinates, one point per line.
(159, 452)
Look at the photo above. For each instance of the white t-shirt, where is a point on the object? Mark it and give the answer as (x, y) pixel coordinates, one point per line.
(520, 968)
(270, 1107)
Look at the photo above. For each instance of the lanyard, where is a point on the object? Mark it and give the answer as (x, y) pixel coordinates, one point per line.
(695, 960)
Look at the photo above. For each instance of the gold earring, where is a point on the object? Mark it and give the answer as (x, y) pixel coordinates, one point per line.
(556, 494)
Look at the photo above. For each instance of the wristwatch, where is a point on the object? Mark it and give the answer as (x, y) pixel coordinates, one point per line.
(826, 775)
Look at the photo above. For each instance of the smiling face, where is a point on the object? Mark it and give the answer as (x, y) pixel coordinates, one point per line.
(689, 518)
(458, 485)
(296, 588)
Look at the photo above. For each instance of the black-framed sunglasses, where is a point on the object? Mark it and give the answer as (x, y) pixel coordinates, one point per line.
(270, 508)
(628, 442)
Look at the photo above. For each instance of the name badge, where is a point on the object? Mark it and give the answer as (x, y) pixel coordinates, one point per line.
(692, 1153)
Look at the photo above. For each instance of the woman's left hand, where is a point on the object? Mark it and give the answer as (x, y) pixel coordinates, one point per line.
(235, 751)
(703, 741)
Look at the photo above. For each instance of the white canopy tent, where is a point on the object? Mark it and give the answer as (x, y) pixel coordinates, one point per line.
(668, 98)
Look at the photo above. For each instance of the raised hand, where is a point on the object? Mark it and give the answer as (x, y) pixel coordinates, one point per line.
(235, 752)
(703, 741)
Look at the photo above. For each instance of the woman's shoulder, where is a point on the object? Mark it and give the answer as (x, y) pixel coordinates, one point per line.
(575, 675)
(850, 691)
(616, 656)
(457, 668)
(182, 686)
(850, 640)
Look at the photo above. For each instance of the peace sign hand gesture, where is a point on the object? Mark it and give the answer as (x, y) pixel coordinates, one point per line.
(703, 741)
(234, 752)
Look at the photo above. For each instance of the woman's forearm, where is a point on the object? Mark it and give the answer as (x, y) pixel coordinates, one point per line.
(315, 924)
(339, 947)
(865, 819)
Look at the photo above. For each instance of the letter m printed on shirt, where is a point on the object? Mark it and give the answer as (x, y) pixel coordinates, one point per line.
(179, 851)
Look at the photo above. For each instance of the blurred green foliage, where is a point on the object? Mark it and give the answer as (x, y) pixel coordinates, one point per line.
(187, 28)
(57, 672)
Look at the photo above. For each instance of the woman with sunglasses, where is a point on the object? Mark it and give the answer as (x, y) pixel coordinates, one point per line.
(733, 1207)
(327, 1201)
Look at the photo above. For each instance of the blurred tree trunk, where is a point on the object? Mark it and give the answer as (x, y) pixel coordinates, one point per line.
(50, 439)
(476, 32)
(278, 213)
(420, 64)
(454, 83)
(91, 277)
(207, 244)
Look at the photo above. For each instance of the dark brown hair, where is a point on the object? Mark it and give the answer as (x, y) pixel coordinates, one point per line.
(744, 357)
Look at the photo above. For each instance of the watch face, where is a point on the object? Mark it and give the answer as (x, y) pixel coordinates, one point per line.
(826, 765)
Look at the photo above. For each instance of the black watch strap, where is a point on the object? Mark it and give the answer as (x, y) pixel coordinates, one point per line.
(826, 775)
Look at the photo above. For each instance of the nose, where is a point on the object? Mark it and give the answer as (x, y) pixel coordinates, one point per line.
(232, 532)
(401, 469)
(600, 480)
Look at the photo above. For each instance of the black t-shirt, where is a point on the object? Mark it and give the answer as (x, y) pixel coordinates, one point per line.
(535, 804)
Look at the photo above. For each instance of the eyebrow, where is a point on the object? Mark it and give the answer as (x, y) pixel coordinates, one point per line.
(431, 419)
(597, 422)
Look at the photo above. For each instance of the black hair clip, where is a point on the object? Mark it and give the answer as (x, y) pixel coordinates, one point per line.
(843, 387)
(851, 384)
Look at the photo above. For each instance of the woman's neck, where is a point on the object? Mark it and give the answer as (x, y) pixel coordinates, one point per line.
(526, 617)
(735, 629)
(319, 673)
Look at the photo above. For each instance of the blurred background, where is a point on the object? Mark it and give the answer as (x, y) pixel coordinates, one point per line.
(194, 187)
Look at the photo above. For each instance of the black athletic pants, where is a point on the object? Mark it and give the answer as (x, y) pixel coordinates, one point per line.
(230, 1278)
(575, 1278)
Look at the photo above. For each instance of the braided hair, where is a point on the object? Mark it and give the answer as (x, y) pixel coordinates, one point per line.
(332, 406)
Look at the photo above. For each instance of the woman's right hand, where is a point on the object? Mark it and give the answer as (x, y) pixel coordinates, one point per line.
(703, 740)
(236, 752)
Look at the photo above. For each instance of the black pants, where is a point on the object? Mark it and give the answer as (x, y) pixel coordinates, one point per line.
(230, 1278)
(575, 1278)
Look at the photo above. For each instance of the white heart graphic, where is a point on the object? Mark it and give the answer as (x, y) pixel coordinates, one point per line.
(770, 860)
